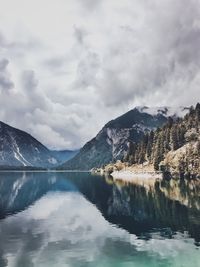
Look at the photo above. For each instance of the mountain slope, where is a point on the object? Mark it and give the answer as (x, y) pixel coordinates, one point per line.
(20, 149)
(111, 143)
(173, 149)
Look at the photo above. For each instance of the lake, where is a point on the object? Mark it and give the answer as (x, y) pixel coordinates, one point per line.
(83, 220)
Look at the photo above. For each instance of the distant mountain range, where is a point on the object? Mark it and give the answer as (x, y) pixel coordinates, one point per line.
(64, 155)
(111, 143)
(20, 149)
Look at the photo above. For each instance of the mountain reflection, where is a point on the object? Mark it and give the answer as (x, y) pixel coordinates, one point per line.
(142, 207)
(166, 205)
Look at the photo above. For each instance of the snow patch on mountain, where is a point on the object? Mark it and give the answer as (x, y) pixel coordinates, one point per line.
(18, 155)
(15, 148)
(53, 161)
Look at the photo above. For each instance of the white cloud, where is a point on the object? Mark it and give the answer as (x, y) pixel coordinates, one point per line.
(5, 81)
(67, 67)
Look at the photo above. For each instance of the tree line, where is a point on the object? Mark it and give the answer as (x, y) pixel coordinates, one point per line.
(172, 136)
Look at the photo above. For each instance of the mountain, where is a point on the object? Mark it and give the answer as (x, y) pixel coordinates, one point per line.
(64, 155)
(111, 143)
(173, 149)
(20, 149)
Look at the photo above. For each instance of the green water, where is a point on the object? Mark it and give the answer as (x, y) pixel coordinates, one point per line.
(76, 219)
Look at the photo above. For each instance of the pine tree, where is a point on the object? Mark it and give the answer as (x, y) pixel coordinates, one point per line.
(159, 151)
(150, 145)
(174, 137)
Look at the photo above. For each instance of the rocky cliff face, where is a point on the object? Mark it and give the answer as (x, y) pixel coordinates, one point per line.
(111, 143)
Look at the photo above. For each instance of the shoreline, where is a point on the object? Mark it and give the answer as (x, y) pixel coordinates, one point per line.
(128, 175)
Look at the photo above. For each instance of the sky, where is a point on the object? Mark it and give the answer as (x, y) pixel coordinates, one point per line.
(69, 66)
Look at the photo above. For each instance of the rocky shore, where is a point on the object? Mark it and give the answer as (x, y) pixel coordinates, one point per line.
(121, 171)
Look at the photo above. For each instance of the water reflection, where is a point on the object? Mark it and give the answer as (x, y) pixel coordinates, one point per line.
(68, 219)
(167, 205)
(18, 190)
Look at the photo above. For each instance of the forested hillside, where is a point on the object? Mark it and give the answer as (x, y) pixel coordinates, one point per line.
(174, 148)
(111, 143)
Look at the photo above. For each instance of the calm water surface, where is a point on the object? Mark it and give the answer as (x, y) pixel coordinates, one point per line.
(80, 220)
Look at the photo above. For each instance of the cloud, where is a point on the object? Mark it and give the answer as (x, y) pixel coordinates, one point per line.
(90, 5)
(155, 58)
(29, 80)
(5, 81)
(62, 77)
(87, 70)
(79, 34)
(2, 41)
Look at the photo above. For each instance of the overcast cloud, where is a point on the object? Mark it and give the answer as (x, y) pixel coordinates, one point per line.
(69, 66)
